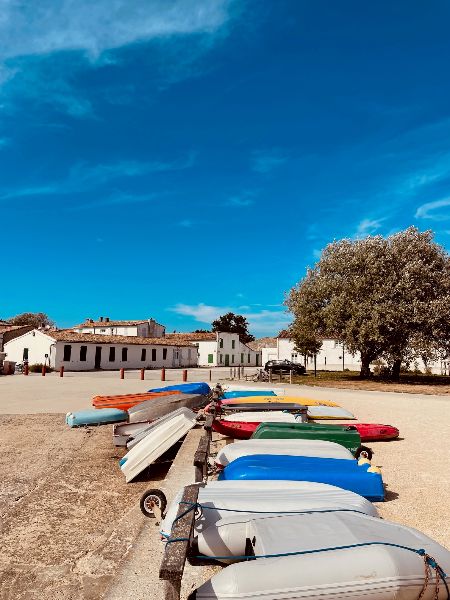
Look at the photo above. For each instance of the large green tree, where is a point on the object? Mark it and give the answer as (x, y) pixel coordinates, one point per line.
(382, 297)
(35, 319)
(233, 324)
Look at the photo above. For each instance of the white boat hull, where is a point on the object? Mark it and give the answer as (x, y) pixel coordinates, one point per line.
(162, 437)
(292, 447)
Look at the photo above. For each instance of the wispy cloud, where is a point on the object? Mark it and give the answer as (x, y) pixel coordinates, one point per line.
(4, 142)
(430, 210)
(83, 177)
(241, 200)
(368, 227)
(117, 199)
(61, 25)
(261, 322)
(265, 161)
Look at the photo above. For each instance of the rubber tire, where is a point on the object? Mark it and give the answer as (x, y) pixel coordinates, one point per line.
(365, 449)
(162, 502)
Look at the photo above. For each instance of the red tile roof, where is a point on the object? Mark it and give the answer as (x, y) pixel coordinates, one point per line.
(192, 337)
(98, 338)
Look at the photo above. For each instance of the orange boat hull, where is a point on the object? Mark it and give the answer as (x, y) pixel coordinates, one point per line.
(126, 401)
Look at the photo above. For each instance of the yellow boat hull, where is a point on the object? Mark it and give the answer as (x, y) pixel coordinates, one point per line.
(283, 399)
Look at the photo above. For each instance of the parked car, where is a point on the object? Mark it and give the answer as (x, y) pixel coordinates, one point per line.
(284, 365)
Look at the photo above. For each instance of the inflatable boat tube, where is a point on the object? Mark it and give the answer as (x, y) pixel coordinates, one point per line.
(219, 499)
(335, 556)
(359, 477)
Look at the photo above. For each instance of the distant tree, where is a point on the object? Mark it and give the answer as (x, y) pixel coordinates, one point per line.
(34, 319)
(382, 297)
(233, 324)
(202, 331)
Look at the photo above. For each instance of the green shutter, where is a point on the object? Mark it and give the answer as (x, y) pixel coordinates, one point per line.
(210, 358)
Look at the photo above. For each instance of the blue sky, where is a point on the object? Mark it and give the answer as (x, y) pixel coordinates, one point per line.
(181, 159)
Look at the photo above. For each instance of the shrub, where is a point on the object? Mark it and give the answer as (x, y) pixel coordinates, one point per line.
(37, 368)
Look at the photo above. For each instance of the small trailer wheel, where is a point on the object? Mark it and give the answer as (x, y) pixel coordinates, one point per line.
(364, 452)
(150, 499)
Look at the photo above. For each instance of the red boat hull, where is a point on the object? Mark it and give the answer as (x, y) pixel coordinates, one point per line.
(369, 432)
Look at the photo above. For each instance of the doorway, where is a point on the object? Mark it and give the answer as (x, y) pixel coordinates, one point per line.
(227, 360)
(98, 357)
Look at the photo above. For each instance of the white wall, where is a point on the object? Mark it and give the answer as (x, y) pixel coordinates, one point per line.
(150, 329)
(238, 353)
(40, 344)
(206, 350)
(268, 354)
(328, 358)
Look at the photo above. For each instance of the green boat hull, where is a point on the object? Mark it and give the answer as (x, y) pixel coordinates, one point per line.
(340, 434)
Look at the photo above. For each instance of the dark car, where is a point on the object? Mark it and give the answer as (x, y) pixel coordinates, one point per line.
(284, 365)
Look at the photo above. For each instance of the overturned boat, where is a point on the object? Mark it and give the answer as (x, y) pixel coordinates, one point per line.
(356, 476)
(127, 401)
(94, 416)
(162, 437)
(331, 556)
(163, 405)
(219, 499)
(196, 387)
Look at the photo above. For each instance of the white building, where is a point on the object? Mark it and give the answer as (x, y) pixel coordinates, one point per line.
(86, 351)
(332, 356)
(219, 349)
(104, 326)
(267, 346)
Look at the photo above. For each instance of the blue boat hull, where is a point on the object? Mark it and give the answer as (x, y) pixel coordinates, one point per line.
(346, 474)
(95, 416)
(244, 394)
(199, 387)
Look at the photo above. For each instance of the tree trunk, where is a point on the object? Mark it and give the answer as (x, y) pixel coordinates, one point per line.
(365, 367)
(396, 370)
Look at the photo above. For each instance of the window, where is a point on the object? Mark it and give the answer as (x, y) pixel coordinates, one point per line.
(102, 330)
(25, 354)
(124, 354)
(153, 354)
(232, 344)
(210, 358)
(249, 358)
(112, 354)
(143, 354)
(242, 357)
(232, 358)
(189, 355)
(83, 353)
(67, 352)
(220, 342)
(164, 353)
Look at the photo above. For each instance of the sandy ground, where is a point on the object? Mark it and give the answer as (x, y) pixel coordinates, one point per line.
(64, 506)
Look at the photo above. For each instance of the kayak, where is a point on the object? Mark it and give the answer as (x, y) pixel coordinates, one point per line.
(126, 401)
(238, 430)
(356, 476)
(293, 447)
(163, 405)
(248, 393)
(345, 435)
(198, 387)
(267, 407)
(371, 432)
(219, 499)
(93, 416)
(272, 398)
(331, 556)
(163, 436)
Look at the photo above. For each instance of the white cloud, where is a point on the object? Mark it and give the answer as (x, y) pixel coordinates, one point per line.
(368, 227)
(263, 322)
(31, 28)
(429, 210)
(84, 177)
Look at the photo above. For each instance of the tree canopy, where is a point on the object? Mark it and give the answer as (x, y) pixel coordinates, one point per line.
(35, 319)
(233, 324)
(382, 297)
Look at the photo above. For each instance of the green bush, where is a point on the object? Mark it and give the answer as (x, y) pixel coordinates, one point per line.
(37, 368)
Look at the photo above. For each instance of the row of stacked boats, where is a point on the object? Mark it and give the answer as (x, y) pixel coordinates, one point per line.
(293, 516)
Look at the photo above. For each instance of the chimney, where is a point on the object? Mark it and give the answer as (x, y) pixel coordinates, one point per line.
(91, 320)
(101, 319)
(106, 319)
(88, 320)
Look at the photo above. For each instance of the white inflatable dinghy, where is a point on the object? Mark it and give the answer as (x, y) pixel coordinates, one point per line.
(218, 499)
(275, 416)
(292, 447)
(334, 556)
(162, 437)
